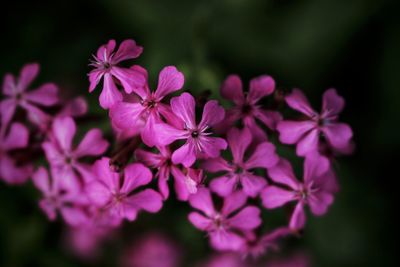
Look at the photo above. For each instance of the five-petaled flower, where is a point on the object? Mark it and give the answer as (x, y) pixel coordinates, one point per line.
(106, 64)
(199, 143)
(239, 172)
(225, 227)
(306, 133)
(317, 189)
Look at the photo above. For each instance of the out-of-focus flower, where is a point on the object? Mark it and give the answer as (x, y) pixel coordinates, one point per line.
(17, 95)
(240, 170)
(225, 260)
(185, 181)
(70, 204)
(152, 250)
(306, 133)
(106, 65)
(148, 110)
(317, 189)
(225, 226)
(198, 141)
(64, 159)
(16, 138)
(119, 195)
(247, 108)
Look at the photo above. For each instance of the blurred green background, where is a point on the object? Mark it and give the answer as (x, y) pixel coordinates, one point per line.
(353, 45)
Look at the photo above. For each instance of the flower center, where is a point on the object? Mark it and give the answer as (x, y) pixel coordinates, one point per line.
(246, 109)
(195, 134)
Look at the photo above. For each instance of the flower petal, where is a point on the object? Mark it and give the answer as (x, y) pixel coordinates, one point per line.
(247, 219)
(9, 85)
(298, 219)
(27, 75)
(212, 114)
(224, 185)
(130, 79)
(226, 240)
(169, 81)
(45, 95)
(298, 101)
(315, 165)
(233, 202)
(98, 193)
(338, 135)
(7, 111)
(41, 180)
(183, 107)
(275, 197)
(319, 202)
(186, 154)
(110, 94)
(210, 147)
(64, 130)
(252, 184)
(232, 89)
(148, 200)
(199, 221)
(260, 87)
(105, 175)
(216, 165)
(202, 201)
(17, 137)
(128, 49)
(308, 143)
(166, 134)
(126, 115)
(136, 174)
(239, 141)
(283, 173)
(92, 144)
(332, 103)
(264, 156)
(290, 132)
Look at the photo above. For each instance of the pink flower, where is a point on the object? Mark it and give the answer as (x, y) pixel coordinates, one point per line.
(106, 65)
(247, 108)
(16, 95)
(240, 170)
(70, 204)
(317, 189)
(64, 159)
(198, 140)
(118, 196)
(306, 133)
(152, 250)
(149, 109)
(224, 226)
(16, 138)
(185, 182)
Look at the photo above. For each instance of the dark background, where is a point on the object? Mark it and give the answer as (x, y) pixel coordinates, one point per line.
(353, 45)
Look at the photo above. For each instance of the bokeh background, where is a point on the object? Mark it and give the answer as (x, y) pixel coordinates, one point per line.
(353, 45)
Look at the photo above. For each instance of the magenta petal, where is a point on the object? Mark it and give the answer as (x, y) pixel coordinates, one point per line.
(274, 197)
(319, 202)
(264, 156)
(332, 103)
(283, 173)
(239, 141)
(136, 174)
(48, 209)
(298, 219)
(163, 175)
(45, 95)
(103, 173)
(309, 143)
(98, 193)
(75, 107)
(126, 115)
(94, 78)
(216, 165)
(259, 135)
(183, 107)
(41, 180)
(180, 185)
(186, 154)
(27, 75)
(199, 221)
(290, 132)
(210, 147)
(74, 216)
(9, 85)
(7, 110)
(338, 135)
(129, 78)
(298, 101)
(315, 165)
(64, 131)
(269, 118)
(166, 134)
(104, 52)
(37, 116)
(13, 174)
(110, 94)
(128, 49)
(252, 184)
(202, 201)
(224, 185)
(16, 138)
(260, 87)
(169, 81)
(247, 219)
(232, 89)
(148, 158)
(148, 200)
(212, 114)
(233, 202)
(148, 134)
(92, 144)
(226, 240)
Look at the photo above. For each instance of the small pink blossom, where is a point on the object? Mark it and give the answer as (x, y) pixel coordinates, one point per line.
(16, 138)
(17, 95)
(148, 111)
(225, 226)
(119, 195)
(317, 189)
(247, 107)
(185, 181)
(199, 143)
(70, 204)
(65, 160)
(306, 133)
(106, 65)
(239, 172)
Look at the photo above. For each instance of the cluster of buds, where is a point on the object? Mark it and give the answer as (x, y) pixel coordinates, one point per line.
(224, 164)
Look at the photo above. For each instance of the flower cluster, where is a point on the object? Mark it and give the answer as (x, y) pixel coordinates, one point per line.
(222, 161)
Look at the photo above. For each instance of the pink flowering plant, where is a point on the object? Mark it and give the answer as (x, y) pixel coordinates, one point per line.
(223, 162)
